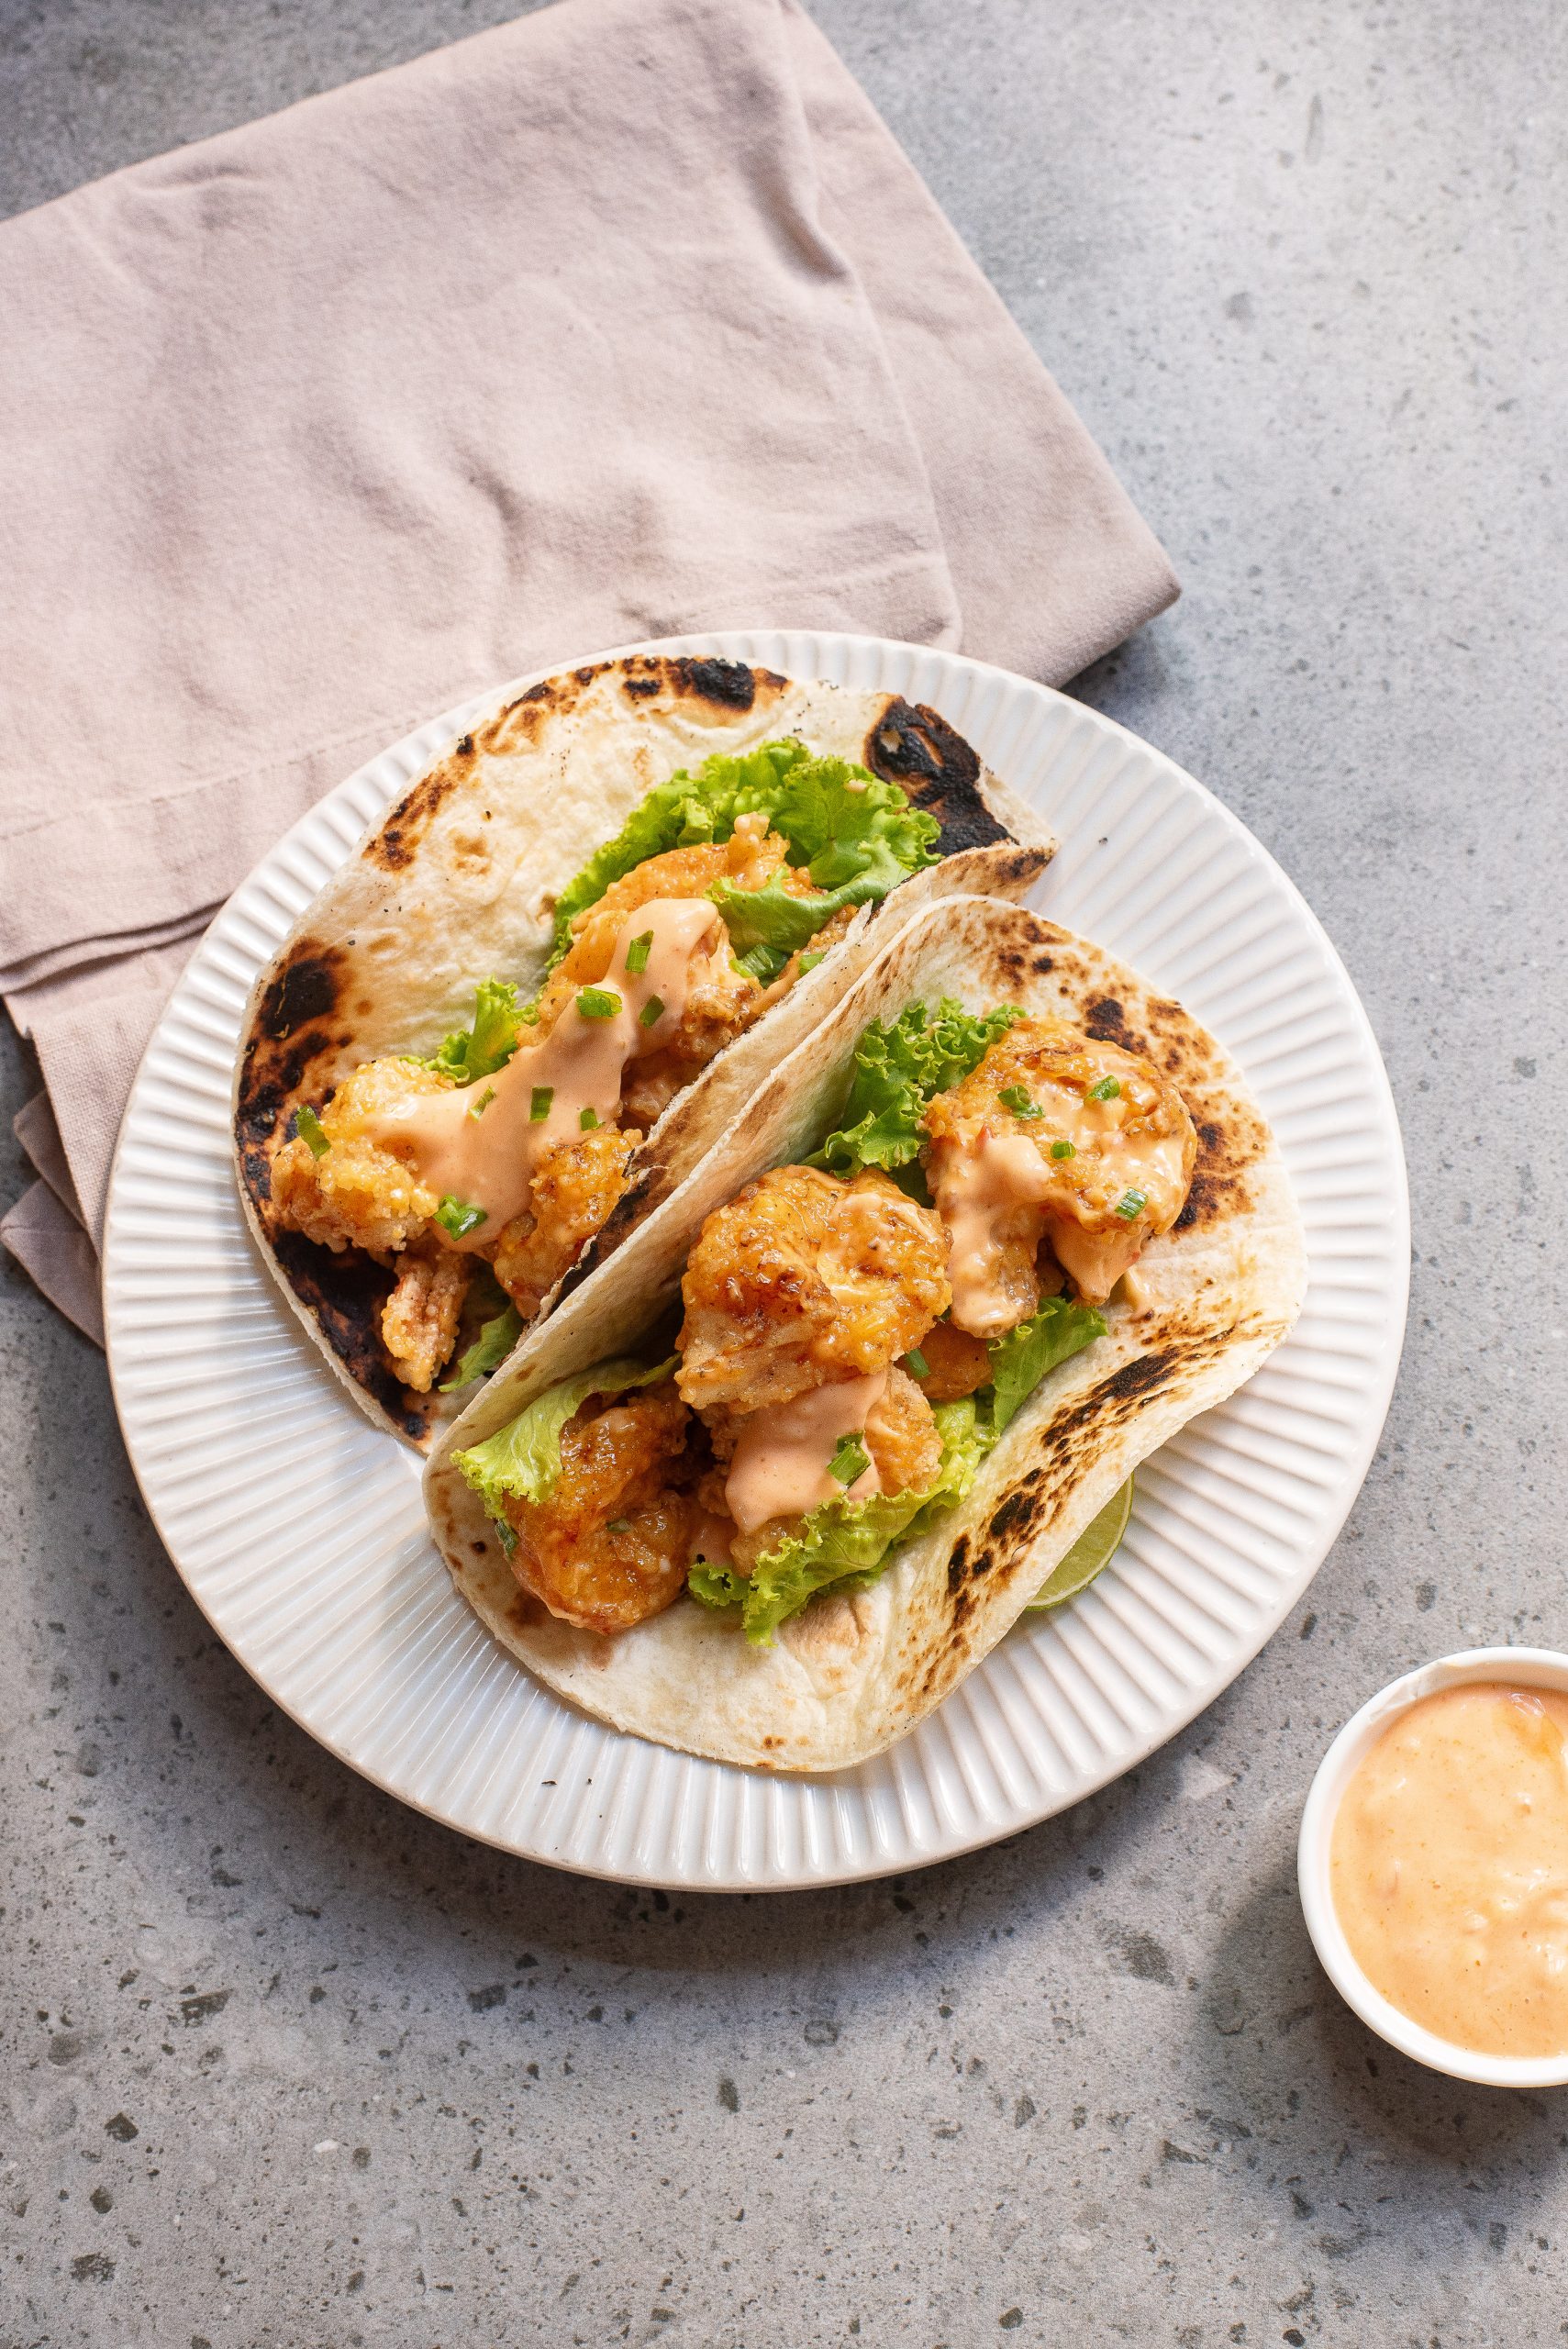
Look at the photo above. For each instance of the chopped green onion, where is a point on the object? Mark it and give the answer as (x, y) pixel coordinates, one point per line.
(812, 956)
(1014, 1097)
(619, 1525)
(849, 1461)
(587, 1119)
(458, 1218)
(484, 1102)
(307, 1125)
(637, 954)
(539, 1100)
(918, 1366)
(653, 1012)
(597, 1003)
(505, 1534)
(763, 963)
(1063, 1149)
(1130, 1205)
(1108, 1089)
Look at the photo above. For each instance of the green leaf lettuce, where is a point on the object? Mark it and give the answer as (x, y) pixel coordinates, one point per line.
(871, 835)
(522, 1460)
(899, 1069)
(479, 1051)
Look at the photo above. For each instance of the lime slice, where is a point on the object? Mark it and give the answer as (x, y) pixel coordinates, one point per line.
(1095, 1548)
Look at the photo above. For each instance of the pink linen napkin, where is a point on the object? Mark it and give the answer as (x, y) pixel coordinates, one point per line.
(626, 317)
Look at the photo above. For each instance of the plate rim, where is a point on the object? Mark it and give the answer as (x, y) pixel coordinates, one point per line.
(740, 644)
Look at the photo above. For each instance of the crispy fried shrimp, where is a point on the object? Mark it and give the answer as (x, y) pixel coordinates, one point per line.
(956, 1364)
(901, 1437)
(610, 1547)
(419, 1319)
(358, 1195)
(572, 1192)
(750, 859)
(1109, 1163)
(901, 1440)
(803, 1279)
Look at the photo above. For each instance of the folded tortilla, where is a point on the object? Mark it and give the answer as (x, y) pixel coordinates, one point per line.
(851, 1674)
(456, 884)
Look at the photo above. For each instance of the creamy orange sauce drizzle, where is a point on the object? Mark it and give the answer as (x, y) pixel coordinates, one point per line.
(973, 1189)
(780, 1467)
(1449, 1868)
(487, 1157)
(976, 1187)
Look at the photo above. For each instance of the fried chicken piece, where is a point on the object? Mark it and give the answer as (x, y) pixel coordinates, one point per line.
(572, 1192)
(359, 1193)
(419, 1319)
(956, 1364)
(610, 1547)
(1108, 1163)
(803, 1279)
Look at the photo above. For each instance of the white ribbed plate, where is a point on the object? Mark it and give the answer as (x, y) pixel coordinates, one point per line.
(298, 1527)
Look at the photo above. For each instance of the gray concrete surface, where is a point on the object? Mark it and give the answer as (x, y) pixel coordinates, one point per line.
(289, 2065)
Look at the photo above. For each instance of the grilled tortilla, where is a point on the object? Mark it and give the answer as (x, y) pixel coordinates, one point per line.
(457, 884)
(850, 1673)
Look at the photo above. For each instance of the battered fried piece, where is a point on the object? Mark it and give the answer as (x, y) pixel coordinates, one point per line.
(901, 1437)
(956, 1364)
(573, 1191)
(610, 1547)
(1111, 1151)
(803, 1279)
(419, 1319)
(359, 1195)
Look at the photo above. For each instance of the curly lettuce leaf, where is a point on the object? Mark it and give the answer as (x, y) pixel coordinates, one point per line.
(770, 916)
(839, 833)
(522, 1460)
(843, 823)
(845, 1544)
(899, 1069)
(489, 1043)
(1020, 1361)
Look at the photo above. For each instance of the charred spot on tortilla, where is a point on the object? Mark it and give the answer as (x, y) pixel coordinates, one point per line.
(1106, 1022)
(731, 684)
(306, 988)
(638, 689)
(346, 1293)
(957, 1563)
(914, 746)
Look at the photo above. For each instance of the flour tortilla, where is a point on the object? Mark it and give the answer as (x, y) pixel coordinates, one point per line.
(457, 882)
(851, 1674)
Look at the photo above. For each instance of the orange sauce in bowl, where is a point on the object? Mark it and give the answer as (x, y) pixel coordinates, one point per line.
(1449, 1867)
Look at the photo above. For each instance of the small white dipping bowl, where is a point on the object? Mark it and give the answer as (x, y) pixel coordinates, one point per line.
(1526, 1668)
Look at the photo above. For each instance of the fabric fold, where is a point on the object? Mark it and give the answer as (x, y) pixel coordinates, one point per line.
(309, 430)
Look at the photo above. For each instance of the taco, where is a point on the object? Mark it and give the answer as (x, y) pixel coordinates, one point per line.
(550, 974)
(770, 1483)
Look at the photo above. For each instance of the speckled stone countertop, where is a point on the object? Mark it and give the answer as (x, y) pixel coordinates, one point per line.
(287, 2065)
